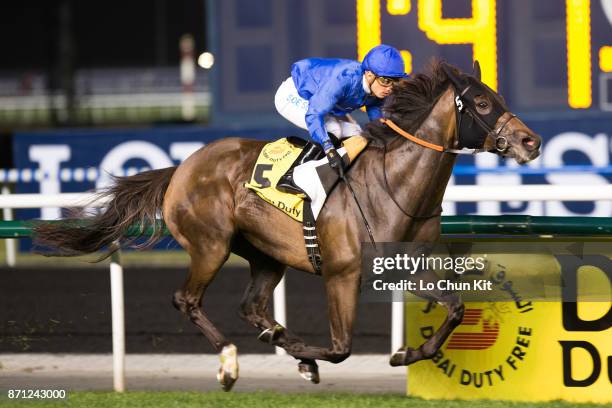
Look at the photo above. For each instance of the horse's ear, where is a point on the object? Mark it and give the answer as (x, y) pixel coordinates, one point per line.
(450, 73)
(477, 72)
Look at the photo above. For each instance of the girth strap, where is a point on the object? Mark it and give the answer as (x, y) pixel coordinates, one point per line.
(310, 238)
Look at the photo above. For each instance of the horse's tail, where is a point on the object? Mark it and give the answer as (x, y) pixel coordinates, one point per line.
(133, 200)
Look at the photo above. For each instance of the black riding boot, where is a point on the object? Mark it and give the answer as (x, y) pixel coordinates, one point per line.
(311, 151)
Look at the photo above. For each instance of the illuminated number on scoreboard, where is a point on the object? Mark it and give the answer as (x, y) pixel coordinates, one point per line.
(605, 59)
(579, 86)
(479, 30)
(368, 26)
(398, 7)
(605, 53)
(578, 20)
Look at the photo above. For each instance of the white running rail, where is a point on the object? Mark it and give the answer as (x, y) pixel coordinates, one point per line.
(461, 193)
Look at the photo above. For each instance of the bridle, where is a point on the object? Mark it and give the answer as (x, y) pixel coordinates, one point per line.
(468, 138)
(470, 141)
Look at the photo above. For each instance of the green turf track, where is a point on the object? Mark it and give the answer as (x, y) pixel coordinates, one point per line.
(266, 399)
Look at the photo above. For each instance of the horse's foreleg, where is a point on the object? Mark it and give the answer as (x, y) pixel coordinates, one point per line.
(454, 305)
(189, 301)
(342, 294)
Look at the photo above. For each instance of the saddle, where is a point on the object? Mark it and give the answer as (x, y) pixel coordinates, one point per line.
(316, 178)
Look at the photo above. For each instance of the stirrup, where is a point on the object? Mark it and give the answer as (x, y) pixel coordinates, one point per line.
(311, 151)
(286, 184)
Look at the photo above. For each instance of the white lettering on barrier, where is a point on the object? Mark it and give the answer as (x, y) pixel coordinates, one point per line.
(182, 150)
(49, 158)
(596, 148)
(116, 158)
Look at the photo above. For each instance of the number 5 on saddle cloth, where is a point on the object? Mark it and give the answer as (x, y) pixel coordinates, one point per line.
(316, 178)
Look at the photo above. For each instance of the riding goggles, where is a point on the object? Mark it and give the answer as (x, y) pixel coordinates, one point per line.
(386, 82)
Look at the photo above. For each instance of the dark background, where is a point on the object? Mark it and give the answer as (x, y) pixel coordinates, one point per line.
(67, 310)
(97, 34)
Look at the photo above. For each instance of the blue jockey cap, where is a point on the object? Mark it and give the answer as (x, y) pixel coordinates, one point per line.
(384, 60)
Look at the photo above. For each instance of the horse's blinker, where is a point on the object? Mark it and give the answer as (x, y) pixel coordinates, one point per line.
(467, 90)
(471, 136)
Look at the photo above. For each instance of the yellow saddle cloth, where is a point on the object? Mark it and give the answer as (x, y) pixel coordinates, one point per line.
(274, 161)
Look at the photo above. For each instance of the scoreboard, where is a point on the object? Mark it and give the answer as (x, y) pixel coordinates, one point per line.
(542, 55)
(523, 27)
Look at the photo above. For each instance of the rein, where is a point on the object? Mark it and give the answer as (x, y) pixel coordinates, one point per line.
(410, 137)
(442, 149)
(390, 193)
(471, 139)
(495, 132)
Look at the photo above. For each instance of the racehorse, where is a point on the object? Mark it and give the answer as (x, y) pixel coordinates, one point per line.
(399, 178)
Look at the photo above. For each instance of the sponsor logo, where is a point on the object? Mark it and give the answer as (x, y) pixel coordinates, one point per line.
(573, 322)
(293, 211)
(485, 337)
(548, 350)
(276, 152)
(490, 344)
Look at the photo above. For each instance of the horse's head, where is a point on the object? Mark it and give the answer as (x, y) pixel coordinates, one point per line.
(485, 122)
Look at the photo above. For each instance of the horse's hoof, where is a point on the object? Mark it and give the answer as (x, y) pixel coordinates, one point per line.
(309, 372)
(228, 372)
(226, 380)
(269, 336)
(404, 356)
(397, 359)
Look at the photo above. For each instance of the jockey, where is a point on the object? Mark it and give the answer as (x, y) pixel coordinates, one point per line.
(321, 93)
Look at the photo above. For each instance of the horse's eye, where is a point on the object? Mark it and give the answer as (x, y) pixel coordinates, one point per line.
(482, 105)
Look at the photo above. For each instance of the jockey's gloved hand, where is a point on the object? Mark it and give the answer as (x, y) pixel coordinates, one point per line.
(335, 161)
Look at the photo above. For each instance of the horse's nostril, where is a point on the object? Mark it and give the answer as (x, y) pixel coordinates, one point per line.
(530, 143)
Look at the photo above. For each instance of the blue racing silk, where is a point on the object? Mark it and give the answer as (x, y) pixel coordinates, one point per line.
(331, 87)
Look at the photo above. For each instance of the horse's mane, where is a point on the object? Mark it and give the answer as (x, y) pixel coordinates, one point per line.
(411, 101)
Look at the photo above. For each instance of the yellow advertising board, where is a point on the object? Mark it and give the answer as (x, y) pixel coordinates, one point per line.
(518, 350)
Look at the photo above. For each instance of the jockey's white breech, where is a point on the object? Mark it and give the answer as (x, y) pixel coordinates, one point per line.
(293, 108)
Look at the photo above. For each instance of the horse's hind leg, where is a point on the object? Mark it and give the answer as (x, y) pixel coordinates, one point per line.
(265, 275)
(254, 308)
(455, 307)
(204, 266)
